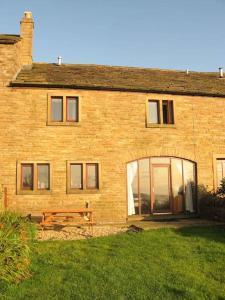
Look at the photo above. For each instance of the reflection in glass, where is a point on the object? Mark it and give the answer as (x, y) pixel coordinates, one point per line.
(161, 189)
(144, 185)
(189, 185)
(76, 181)
(92, 176)
(177, 185)
(43, 176)
(153, 110)
(72, 109)
(57, 109)
(27, 176)
(171, 180)
(220, 165)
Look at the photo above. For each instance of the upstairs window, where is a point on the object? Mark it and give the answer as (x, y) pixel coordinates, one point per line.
(167, 110)
(160, 113)
(57, 109)
(72, 109)
(153, 111)
(63, 110)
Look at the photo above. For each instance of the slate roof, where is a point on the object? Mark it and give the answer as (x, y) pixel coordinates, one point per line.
(100, 77)
(9, 38)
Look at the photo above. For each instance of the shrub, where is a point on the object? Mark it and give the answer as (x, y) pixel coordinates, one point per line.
(16, 235)
(221, 189)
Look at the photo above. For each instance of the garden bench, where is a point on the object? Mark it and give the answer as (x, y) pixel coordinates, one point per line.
(68, 217)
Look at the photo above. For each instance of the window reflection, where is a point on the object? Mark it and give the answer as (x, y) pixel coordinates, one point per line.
(161, 184)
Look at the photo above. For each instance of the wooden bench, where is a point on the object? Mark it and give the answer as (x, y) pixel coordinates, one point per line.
(68, 217)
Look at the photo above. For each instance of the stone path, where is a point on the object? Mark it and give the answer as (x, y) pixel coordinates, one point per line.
(79, 233)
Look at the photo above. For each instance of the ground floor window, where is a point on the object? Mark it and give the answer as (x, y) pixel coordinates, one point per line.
(161, 185)
(33, 177)
(220, 170)
(82, 176)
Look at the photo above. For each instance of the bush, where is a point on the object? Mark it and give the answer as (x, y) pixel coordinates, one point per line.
(221, 190)
(16, 235)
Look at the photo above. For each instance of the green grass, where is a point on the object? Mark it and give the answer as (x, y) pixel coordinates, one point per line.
(187, 263)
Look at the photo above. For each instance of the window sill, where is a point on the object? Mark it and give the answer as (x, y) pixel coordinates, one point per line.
(35, 192)
(50, 123)
(149, 125)
(73, 191)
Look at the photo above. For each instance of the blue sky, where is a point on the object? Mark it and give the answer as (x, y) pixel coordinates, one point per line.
(168, 34)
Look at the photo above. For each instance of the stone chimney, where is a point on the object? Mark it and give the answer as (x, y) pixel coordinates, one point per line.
(26, 32)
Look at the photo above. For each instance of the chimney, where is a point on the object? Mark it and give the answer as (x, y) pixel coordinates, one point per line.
(26, 32)
(59, 60)
(221, 72)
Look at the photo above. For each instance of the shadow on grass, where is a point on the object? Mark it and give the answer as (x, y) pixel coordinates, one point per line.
(214, 233)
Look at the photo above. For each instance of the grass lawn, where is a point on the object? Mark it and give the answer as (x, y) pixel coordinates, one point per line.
(187, 263)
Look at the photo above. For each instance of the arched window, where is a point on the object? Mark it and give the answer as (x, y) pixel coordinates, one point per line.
(161, 185)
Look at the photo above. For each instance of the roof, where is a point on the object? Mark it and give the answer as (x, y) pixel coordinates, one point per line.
(9, 38)
(99, 77)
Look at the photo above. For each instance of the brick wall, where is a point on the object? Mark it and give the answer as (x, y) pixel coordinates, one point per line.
(112, 131)
(10, 62)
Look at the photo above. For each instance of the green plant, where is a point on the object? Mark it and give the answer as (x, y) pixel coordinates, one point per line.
(16, 234)
(221, 189)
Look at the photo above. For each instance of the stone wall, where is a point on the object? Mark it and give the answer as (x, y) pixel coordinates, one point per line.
(112, 131)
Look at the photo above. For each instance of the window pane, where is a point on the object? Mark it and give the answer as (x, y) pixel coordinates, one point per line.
(161, 188)
(76, 181)
(189, 184)
(27, 176)
(92, 176)
(167, 107)
(153, 111)
(72, 109)
(43, 176)
(177, 185)
(220, 165)
(160, 160)
(144, 185)
(132, 188)
(57, 109)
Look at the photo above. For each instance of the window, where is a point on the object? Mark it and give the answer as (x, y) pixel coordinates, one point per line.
(57, 109)
(43, 176)
(82, 177)
(160, 113)
(92, 176)
(33, 177)
(63, 110)
(161, 184)
(153, 111)
(72, 109)
(167, 109)
(220, 170)
(76, 178)
(27, 176)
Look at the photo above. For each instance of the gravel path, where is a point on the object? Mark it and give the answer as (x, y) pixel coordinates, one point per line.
(79, 233)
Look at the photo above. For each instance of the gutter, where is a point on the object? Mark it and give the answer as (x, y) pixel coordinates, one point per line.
(119, 89)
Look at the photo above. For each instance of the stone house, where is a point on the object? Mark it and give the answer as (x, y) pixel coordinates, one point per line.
(129, 141)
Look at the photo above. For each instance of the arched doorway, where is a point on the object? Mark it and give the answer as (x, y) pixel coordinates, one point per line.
(161, 185)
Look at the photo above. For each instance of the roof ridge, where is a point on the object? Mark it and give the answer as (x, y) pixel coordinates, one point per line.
(123, 67)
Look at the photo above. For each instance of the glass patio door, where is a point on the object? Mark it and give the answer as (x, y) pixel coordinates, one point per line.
(161, 189)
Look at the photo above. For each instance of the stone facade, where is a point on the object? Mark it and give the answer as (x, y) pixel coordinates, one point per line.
(112, 131)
